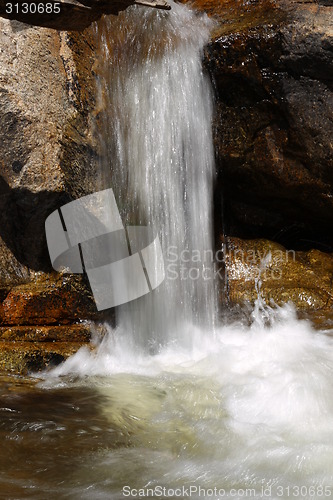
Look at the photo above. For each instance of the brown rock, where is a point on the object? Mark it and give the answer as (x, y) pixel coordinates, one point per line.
(234, 16)
(51, 300)
(24, 357)
(68, 333)
(304, 278)
(272, 66)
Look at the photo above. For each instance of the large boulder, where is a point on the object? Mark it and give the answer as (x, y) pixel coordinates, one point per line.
(49, 152)
(272, 66)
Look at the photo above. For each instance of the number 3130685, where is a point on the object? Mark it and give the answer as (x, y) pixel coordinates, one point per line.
(33, 8)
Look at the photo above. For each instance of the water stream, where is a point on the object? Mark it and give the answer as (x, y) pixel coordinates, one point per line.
(159, 159)
(170, 402)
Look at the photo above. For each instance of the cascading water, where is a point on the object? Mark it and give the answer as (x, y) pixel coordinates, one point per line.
(159, 155)
(244, 413)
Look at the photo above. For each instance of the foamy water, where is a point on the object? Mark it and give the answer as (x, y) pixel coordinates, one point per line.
(250, 407)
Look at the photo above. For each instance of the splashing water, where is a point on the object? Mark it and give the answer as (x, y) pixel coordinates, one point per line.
(248, 410)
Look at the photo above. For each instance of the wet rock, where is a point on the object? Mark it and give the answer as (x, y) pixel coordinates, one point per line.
(49, 300)
(272, 66)
(233, 16)
(65, 333)
(33, 348)
(305, 278)
(27, 357)
(25, 349)
(321, 320)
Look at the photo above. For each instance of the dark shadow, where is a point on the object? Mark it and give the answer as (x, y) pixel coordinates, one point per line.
(22, 223)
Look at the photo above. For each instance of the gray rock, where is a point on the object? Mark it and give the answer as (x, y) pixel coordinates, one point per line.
(49, 152)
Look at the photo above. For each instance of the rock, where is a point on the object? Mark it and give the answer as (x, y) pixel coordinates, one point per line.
(72, 14)
(49, 300)
(65, 333)
(26, 349)
(49, 151)
(27, 357)
(321, 320)
(50, 155)
(305, 278)
(273, 71)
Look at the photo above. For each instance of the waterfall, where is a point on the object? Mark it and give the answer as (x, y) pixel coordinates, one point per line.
(158, 157)
(243, 410)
